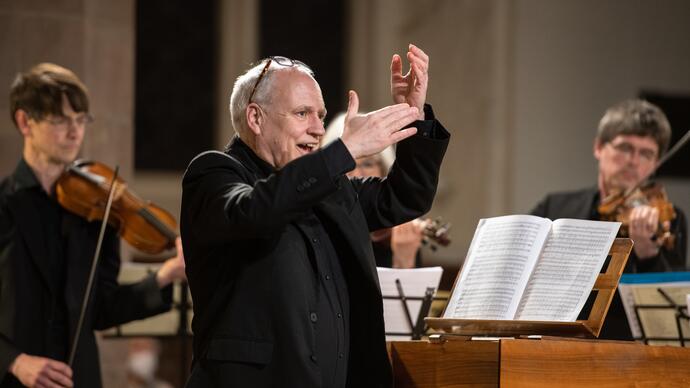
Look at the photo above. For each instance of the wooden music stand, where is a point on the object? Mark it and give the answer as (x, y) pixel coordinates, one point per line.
(605, 284)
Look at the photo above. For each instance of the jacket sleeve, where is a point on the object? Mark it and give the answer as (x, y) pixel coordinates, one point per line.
(116, 303)
(221, 201)
(409, 189)
(8, 350)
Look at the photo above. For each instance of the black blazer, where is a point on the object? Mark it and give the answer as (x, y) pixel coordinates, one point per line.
(248, 267)
(27, 292)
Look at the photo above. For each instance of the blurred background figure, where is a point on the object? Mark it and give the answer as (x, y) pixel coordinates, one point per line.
(397, 247)
(142, 364)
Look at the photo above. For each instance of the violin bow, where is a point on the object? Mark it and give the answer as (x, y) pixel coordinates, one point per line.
(676, 147)
(680, 143)
(94, 265)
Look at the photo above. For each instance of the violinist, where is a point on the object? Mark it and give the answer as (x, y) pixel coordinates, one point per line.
(631, 137)
(46, 251)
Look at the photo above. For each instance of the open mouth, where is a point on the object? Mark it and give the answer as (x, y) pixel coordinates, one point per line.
(307, 147)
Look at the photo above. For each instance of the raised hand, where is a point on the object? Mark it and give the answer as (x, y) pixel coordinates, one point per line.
(35, 371)
(411, 88)
(369, 134)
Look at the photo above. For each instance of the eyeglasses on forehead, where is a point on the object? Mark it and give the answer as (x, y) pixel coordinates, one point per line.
(282, 61)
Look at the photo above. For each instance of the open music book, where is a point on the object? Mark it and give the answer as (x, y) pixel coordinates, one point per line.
(529, 268)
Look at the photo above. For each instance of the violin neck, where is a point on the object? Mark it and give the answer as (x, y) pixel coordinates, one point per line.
(155, 222)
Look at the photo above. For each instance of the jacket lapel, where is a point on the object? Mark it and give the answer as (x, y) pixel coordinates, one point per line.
(29, 224)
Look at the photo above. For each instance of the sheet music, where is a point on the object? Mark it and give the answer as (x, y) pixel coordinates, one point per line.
(568, 267)
(497, 268)
(414, 283)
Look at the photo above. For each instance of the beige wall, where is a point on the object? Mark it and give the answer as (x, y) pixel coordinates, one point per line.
(470, 74)
(93, 38)
(521, 84)
(573, 59)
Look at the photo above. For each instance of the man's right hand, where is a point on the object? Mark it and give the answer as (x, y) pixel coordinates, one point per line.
(35, 371)
(369, 134)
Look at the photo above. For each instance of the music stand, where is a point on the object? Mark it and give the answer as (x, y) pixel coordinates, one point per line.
(404, 291)
(654, 313)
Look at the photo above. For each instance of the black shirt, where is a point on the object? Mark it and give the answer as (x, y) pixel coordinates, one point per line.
(51, 218)
(329, 321)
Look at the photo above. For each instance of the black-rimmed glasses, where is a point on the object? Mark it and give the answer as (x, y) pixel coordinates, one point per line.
(282, 61)
(63, 122)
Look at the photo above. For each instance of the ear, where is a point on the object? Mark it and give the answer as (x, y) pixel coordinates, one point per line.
(22, 120)
(598, 145)
(255, 118)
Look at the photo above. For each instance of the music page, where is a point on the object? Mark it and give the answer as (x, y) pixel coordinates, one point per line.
(568, 267)
(497, 268)
(414, 283)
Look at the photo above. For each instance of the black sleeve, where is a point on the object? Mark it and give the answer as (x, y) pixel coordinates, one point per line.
(8, 350)
(115, 304)
(409, 189)
(220, 202)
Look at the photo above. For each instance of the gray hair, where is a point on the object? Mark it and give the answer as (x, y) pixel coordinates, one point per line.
(239, 99)
(635, 117)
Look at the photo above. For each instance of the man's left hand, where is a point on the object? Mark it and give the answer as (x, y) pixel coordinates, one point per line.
(644, 223)
(411, 87)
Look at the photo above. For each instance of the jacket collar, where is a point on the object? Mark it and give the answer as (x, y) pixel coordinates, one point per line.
(24, 177)
(239, 148)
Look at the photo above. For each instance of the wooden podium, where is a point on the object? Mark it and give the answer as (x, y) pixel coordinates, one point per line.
(548, 362)
(554, 359)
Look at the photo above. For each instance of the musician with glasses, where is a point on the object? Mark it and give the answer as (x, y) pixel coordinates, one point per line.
(46, 252)
(276, 237)
(631, 137)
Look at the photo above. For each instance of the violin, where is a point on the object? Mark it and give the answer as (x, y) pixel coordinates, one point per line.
(619, 206)
(436, 233)
(83, 190)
